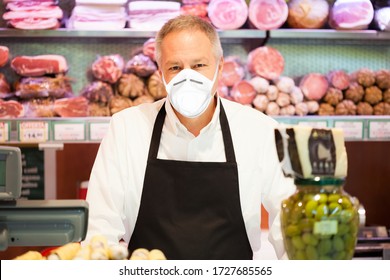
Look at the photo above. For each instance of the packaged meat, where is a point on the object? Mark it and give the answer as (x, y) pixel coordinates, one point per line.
(355, 92)
(373, 95)
(382, 78)
(98, 91)
(132, 86)
(4, 54)
(34, 87)
(382, 108)
(151, 15)
(314, 86)
(118, 103)
(346, 107)
(307, 13)
(195, 9)
(156, 87)
(288, 110)
(333, 96)
(39, 108)
(268, 14)
(301, 109)
(141, 65)
(93, 16)
(260, 102)
(33, 66)
(11, 109)
(96, 109)
(243, 92)
(260, 84)
(266, 62)
(34, 23)
(382, 18)
(143, 99)
(71, 107)
(351, 14)
(233, 71)
(108, 68)
(34, 12)
(273, 109)
(228, 14)
(364, 108)
(284, 84)
(339, 79)
(5, 88)
(326, 109)
(149, 48)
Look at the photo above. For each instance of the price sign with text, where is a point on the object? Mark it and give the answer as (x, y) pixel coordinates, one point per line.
(33, 131)
(97, 131)
(69, 131)
(379, 129)
(351, 129)
(314, 124)
(4, 131)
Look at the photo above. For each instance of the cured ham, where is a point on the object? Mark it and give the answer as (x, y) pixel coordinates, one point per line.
(351, 14)
(228, 14)
(39, 65)
(71, 107)
(268, 14)
(314, 86)
(11, 109)
(233, 71)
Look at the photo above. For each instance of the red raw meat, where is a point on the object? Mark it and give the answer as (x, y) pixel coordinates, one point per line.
(339, 79)
(314, 86)
(149, 48)
(266, 62)
(108, 68)
(355, 15)
(71, 107)
(32, 66)
(228, 14)
(11, 109)
(39, 12)
(197, 9)
(4, 53)
(243, 92)
(233, 71)
(268, 14)
(34, 23)
(28, 5)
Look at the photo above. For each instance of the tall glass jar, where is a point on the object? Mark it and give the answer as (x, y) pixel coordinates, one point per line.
(320, 220)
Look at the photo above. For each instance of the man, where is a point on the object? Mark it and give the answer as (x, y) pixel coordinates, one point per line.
(187, 174)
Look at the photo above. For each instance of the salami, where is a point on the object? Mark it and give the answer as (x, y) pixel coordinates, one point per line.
(233, 71)
(266, 62)
(11, 109)
(268, 14)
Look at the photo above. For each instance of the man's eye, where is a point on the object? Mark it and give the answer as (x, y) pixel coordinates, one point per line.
(174, 68)
(199, 65)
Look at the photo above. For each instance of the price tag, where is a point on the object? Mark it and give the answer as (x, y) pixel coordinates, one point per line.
(4, 128)
(379, 129)
(69, 131)
(351, 129)
(314, 124)
(36, 131)
(98, 131)
(325, 227)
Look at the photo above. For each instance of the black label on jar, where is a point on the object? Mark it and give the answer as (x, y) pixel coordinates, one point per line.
(322, 152)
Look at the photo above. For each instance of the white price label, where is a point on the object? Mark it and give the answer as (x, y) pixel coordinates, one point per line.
(4, 132)
(33, 131)
(69, 131)
(98, 131)
(314, 124)
(379, 130)
(351, 129)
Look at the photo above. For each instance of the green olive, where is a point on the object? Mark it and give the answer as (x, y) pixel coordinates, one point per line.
(306, 225)
(346, 203)
(292, 230)
(309, 239)
(349, 242)
(296, 214)
(324, 246)
(342, 229)
(346, 216)
(333, 197)
(298, 242)
(325, 257)
(322, 198)
(334, 208)
(299, 255)
(310, 208)
(322, 212)
(341, 255)
(338, 244)
(311, 253)
(308, 197)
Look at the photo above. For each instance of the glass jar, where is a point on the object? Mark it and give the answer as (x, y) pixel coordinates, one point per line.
(320, 220)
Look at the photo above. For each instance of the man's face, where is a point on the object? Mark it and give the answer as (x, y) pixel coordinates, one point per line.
(187, 49)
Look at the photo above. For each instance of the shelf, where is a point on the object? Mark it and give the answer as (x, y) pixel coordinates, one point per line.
(224, 34)
(93, 129)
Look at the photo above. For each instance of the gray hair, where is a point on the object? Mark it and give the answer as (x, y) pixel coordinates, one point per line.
(192, 23)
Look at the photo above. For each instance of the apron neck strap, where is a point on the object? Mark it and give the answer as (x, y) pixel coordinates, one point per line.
(227, 137)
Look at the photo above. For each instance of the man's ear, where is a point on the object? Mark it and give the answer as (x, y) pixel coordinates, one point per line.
(220, 65)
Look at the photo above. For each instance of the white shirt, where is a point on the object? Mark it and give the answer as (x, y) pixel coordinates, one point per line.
(117, 176)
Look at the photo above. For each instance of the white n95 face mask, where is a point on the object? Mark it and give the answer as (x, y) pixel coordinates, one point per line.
(190, 92)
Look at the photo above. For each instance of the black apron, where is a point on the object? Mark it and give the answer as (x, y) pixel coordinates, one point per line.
(191, 210)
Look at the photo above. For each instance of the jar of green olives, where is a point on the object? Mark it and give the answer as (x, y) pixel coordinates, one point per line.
(320, 220)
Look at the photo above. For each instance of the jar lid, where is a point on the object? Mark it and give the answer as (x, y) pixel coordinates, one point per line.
(319, 181)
